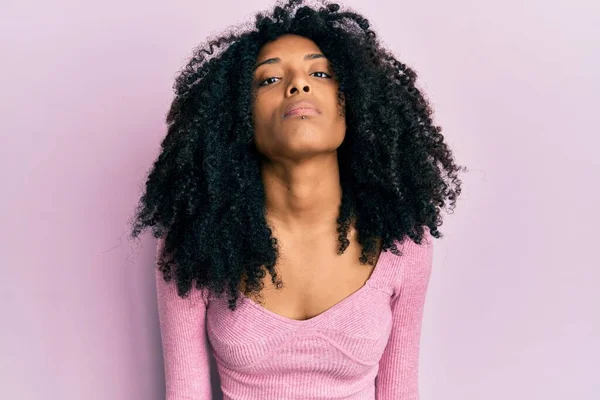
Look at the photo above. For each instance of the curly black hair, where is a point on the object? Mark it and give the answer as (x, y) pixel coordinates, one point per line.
(205, 188)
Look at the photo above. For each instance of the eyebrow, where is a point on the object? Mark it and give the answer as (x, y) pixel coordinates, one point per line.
(274, 60)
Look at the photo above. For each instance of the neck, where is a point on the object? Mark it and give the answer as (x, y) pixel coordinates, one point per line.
(303, 195)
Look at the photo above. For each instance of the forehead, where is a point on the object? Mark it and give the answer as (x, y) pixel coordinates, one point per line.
(287, 45)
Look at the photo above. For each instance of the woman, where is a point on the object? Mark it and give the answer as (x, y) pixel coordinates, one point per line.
(295, 199)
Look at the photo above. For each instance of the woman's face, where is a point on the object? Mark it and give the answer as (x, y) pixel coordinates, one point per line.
(291, 70)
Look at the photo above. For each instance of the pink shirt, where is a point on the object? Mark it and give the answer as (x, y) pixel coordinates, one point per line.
(365, 347)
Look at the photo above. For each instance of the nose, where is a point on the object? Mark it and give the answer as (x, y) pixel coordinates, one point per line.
(293, 89)
(296, 83)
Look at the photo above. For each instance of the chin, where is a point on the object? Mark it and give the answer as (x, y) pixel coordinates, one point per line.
(304, 132)
(307, 148)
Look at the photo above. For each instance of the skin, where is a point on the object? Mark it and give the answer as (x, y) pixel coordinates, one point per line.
(301, 178)
(300, 168)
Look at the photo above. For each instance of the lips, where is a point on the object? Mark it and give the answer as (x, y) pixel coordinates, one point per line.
(302, 107)
(301, 111)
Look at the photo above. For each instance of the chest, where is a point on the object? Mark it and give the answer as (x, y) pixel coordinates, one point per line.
(326, 311)
(345, 341)
(313, 282)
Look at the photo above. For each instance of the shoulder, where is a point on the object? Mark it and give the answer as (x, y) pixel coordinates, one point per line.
(167, 290)
(411, 266)
(415, 263)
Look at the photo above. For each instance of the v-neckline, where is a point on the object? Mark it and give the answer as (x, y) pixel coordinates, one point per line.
(325, 313)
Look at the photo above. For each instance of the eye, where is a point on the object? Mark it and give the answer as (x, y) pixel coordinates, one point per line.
(263, 83)
(321, 72)
(266, 81)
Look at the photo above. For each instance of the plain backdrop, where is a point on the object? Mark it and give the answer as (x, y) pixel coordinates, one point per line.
(513, 306)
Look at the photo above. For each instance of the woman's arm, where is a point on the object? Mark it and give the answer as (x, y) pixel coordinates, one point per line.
(183, 333)
(397, 378)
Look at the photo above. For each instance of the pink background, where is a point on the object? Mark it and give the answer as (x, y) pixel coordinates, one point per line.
(512, 310)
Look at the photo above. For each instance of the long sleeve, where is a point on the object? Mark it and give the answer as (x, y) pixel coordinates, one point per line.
(397, 378)
(183, 333)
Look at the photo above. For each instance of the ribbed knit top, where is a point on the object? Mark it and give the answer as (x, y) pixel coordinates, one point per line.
(366, 347)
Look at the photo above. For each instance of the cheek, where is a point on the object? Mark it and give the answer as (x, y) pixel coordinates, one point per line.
(257, 117)
(339, 111)
(261, 125)
(340, 127)
(341, 104)
(260, 110)
(340, 123)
